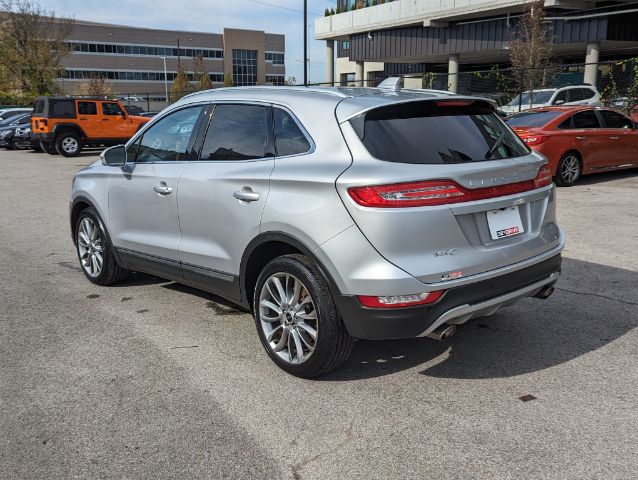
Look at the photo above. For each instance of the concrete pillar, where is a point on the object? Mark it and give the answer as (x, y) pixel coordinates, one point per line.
(358, 74)
(453, 73)
(330, 62)
(591, 59)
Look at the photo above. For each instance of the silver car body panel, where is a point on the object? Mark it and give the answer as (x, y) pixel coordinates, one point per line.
(365, 251)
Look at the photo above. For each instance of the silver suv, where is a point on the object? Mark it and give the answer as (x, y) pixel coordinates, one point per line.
(330, 213)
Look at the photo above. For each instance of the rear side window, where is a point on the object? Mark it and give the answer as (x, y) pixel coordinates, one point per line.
(532, 119)
(586, 119)
(237, 132)
(427, 133)
(615, 120)
(87, 108)
(39, 106)
(62, 108)
(289, 139)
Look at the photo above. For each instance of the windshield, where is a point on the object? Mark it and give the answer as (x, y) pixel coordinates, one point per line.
(428, 133)
(532, 119)
(538, 97)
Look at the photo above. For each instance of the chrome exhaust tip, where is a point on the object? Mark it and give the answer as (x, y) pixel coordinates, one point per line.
(442, 332)
(545, 292)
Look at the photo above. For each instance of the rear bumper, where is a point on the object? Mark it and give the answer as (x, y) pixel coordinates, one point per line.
(458, 305)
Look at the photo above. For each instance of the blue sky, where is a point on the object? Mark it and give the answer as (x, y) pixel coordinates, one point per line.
(212, 16)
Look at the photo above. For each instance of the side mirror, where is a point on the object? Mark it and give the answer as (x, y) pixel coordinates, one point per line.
(559, 102)
(114, 156)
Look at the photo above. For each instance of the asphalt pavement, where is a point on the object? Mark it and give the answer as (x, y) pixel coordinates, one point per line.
(150, 379)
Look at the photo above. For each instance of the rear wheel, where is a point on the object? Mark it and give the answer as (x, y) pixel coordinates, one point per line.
(297, 320)
(569, 170)
(48, 148)
(95, 252)
(68, 144)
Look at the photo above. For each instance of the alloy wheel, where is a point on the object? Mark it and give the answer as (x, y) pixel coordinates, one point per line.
(288, 318)
(70, 145)
(570, 169)
(90, 247)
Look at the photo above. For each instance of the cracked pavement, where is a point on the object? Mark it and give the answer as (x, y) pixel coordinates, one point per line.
(150, 379)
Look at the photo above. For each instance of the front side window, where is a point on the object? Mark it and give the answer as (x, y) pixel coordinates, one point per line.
(111, 109)
(289, 139)
(426, 133)
(87, 108)
(615, 119)
(168, 139)
(237, 132)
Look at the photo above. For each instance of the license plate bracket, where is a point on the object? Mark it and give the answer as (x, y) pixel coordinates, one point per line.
(504, 222)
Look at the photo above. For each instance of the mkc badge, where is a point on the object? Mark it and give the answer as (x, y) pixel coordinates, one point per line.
(443, 253)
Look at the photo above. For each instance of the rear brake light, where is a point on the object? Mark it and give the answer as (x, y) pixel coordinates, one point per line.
(397, 301)
(544, 177)
(43, 123)
(454, 103)
(534, 139)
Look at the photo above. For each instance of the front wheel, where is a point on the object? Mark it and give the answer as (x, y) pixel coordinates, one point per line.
(297, 320)
(569, 170)
(95, 252)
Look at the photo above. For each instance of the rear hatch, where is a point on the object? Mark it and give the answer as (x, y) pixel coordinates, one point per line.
(46, 108)
(444, 189)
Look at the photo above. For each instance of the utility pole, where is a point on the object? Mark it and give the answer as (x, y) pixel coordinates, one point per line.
(165, 80)
(305, 42)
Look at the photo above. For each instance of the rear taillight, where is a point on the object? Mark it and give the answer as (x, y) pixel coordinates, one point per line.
(534, 139)
(439, 192)
(397, 301)
(544, 177)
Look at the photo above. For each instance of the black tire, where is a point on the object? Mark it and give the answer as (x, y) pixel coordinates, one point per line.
(111, 272)
(566, 176)
(333, 344)
(48, 148)
(10, 145)
(68, 144)
(36, 147)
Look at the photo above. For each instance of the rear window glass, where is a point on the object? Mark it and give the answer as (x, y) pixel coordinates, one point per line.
(532, 119)
(586, 119)
(39, 106)
(425, 133)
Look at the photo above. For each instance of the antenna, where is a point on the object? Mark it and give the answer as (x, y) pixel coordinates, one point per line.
(391, 84)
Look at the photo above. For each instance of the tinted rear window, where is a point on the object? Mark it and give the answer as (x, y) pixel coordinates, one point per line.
(424, 133)
(62, 108)
(532, 119)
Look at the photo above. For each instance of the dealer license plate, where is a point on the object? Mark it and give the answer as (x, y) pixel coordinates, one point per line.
(505, 222)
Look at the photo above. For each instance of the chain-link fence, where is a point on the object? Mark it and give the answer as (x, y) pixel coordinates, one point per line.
(617, 84)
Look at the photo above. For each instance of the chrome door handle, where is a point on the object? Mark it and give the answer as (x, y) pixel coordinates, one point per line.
(614, 138)
(163, 189)
(246, 195)
(581, 138)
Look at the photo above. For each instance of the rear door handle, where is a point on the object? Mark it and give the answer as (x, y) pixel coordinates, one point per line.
(581, 138)
(614, 138)
(163, 189)
(246, 195)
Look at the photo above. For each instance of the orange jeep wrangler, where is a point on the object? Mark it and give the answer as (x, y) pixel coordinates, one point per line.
(65, 125)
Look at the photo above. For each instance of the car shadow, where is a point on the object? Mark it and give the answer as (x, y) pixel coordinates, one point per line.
(603, 177)
(593, 305)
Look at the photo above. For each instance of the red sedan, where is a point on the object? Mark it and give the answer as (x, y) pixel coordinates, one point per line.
(579, 140)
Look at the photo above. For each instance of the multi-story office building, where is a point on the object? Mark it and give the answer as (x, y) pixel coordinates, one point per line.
(134, 59)
(448, 36)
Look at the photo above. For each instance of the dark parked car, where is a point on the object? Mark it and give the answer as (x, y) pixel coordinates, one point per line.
(8, 127)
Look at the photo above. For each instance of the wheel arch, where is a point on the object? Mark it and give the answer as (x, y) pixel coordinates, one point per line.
(264, 248)
(59, 128)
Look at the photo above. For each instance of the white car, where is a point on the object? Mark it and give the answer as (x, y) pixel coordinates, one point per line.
(544, 97)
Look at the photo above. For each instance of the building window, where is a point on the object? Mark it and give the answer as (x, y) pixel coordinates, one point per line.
(139, 76)
(275, 58)
(244, 67)
(275, 80)
(146, 50)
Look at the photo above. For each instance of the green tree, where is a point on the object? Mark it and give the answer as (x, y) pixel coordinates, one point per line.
(228, 80)
(32, 46)
(326, 13)
(181, 86)
(201, 75)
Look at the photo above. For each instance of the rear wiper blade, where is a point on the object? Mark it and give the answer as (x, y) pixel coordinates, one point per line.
(497, 143)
